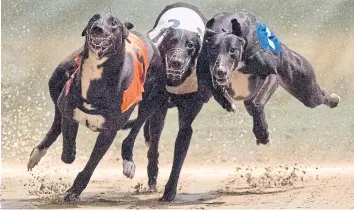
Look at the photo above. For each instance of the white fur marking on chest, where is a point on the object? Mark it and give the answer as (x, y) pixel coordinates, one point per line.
(88, 106)
(189, 85)
(93, 122)
(240, 85)
(90, 71)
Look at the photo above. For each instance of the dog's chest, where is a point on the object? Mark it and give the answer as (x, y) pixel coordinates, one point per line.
(92, 69)
(239, 85)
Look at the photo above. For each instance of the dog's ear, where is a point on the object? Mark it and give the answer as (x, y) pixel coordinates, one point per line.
(210, 23)
(125, 32)
(208, 34)
(89, 24)
(84, 32)
(128, 25)
(236, 27)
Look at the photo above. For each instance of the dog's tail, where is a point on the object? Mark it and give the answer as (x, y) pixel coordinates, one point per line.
(129, 124)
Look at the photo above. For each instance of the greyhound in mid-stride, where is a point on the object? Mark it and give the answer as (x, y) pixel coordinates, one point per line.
(115, 70)
(244, 60)
(178, 33)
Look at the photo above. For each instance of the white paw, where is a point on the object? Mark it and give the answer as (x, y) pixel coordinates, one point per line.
(233, 107)
(128, 169)
(333, 95)
(35, 157)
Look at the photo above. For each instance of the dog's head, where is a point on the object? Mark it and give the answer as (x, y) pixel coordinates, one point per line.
(179, 49)
(105, 34)
(224, 52)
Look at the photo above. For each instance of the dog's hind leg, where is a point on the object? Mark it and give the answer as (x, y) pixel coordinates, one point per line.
(255, 107)
(103, 142)
(298, 78)
(156, 124)
(187, 112)
(311, 95)
(56, 84)
(69, 130)
(39, 151)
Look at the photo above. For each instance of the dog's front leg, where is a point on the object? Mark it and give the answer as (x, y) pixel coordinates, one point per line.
(156, 124)
(128, 145)
(146, 108)
(147, 132)
(187, 112)
(225, 100)
(255, 107)
(103, 142)
(69, 129)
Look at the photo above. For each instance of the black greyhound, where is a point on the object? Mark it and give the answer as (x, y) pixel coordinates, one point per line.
(178, 33)
(118, 69)
(244, 60)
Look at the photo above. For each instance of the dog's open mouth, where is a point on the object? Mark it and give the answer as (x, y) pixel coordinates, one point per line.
(100, 44)
(221, 84)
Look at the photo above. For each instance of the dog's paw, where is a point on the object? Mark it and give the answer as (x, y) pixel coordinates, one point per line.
(168, 197)
(263, 141)
(68, 157)
(335, 99)
(152, 188)
(128, 168)
(230, 108)
(35, 156)
(71, 197)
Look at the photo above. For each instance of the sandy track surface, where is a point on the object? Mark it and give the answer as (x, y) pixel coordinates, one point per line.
(278, 186)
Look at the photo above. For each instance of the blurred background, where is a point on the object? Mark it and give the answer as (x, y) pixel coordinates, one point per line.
(38, 35)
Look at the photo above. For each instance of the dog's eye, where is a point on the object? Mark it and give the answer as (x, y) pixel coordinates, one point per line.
(190, 45)
(232, 50)
(114, 23)
(174, 41)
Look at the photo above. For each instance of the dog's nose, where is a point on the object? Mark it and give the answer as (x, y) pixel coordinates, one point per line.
(221, 73)
(97, 30)
(176, 64)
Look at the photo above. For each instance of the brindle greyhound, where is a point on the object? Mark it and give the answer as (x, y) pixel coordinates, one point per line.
(178, 34)
(244, 60)
(118, 69)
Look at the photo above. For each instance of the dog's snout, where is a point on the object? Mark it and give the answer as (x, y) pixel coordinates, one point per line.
(176, 63)
(97, 30)
(221, 73)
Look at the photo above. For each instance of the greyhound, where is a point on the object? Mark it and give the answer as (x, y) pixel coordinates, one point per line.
(115, 70)
(245, 60)
(178, 33)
